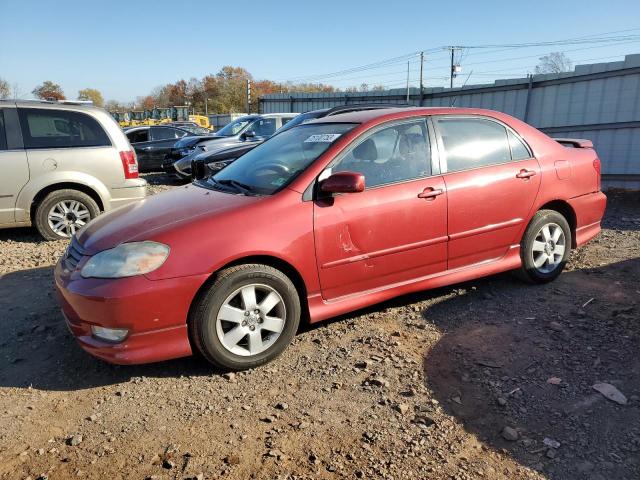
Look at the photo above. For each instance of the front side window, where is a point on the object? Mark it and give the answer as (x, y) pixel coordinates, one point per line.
(394, 154)
(265, 127)
(234, 127)
(48, 128)
(473, 142)
(274, 164)
(164, 133)
(3, 132)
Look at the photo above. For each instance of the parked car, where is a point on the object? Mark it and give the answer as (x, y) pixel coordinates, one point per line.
(216, 160)
(62, 164)
(325, 218)
(153, 144)
(247, 130)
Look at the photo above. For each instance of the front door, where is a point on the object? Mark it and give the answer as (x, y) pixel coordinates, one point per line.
(396, 230)
(492, 181)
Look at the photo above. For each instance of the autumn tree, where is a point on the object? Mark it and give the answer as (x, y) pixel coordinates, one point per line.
(555, 62)
(5, 89)
(93, 95)
(49, 90)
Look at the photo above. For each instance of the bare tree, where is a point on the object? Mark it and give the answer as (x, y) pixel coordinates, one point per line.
(555, 62)
(5, 90)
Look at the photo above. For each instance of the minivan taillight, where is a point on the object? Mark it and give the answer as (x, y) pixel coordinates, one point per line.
(597, 166)
(129, 164)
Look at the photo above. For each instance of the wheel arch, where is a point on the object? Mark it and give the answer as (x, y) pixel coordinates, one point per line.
(64, 186)
(567, 211)
(272, 261)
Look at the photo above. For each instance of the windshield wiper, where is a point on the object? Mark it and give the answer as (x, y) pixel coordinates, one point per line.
(242, 187)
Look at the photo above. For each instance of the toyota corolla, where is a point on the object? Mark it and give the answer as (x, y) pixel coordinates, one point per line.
(328, 217)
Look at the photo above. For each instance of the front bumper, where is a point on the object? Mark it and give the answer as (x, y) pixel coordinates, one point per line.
(154, 311)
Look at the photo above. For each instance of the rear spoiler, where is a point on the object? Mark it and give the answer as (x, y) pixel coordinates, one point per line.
(574, 142)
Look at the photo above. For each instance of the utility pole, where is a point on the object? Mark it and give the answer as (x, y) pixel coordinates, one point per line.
(407, 82)
(421, 79)
(206, 106)
(454, 68)
(248, 95)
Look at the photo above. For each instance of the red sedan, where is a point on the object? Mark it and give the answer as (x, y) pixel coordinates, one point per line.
(328, 217)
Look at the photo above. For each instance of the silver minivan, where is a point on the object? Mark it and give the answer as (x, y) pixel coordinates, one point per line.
(62, 164)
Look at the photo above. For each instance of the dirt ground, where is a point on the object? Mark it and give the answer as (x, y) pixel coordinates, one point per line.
(491, 379)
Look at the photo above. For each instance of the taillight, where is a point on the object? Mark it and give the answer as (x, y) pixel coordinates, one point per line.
(597, 166)
(129, 164)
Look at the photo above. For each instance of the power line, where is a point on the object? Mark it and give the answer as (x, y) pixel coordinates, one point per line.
(593, 38)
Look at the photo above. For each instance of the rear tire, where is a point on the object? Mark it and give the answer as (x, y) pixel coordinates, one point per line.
(246, 318)
(545, 247)
(63, 212)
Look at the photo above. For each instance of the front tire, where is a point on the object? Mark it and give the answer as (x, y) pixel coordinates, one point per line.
(63, 212)
(246, 318)
(545, 247)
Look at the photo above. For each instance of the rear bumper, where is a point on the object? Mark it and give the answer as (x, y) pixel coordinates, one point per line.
(589, 210)
(153, 311)
(133, 191)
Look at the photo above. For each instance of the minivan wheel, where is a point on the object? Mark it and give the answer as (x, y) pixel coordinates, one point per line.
(246, 318)
(545, 247)
(63, 212)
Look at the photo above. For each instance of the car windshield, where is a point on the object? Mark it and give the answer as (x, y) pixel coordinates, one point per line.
(274, 164)
(234, 128)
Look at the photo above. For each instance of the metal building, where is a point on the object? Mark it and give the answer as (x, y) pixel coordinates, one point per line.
(599, 101)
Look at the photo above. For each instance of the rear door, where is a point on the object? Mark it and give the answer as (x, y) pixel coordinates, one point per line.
(13, 164)
(492, 181)
(396, 230)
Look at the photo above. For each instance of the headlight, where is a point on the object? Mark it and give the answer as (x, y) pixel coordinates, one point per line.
(126, 260)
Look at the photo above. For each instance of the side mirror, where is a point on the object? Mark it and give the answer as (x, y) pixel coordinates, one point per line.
(248, 134)
(343, 182)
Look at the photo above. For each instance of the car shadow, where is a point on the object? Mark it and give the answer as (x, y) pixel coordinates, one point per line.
(22, 234)
(526, 358)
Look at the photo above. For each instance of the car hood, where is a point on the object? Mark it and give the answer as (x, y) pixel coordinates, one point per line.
(141, 220)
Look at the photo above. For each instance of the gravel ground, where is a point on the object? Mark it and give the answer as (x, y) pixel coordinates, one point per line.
(490, 379)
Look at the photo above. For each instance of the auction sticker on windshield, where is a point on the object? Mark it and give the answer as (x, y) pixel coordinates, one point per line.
(322, 138)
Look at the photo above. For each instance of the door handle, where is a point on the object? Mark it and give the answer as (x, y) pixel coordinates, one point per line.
(525, 173)
(430, 193)
(146, 149)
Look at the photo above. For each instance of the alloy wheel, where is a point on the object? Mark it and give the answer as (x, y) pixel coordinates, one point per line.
(65, 218)
(251, 319)
(548, 248)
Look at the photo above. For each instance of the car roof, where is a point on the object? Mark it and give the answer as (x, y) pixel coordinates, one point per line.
(285, 115)
(58, 105)
(364, 116)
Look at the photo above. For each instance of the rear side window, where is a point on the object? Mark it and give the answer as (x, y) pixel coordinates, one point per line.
(518, 149)
(138, 136)
(3, 132)
(473, 142)
(45, 128)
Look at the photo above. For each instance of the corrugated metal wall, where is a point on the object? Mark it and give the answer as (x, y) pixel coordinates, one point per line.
(600, 102)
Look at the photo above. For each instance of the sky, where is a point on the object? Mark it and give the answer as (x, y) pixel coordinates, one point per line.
(126, 48)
